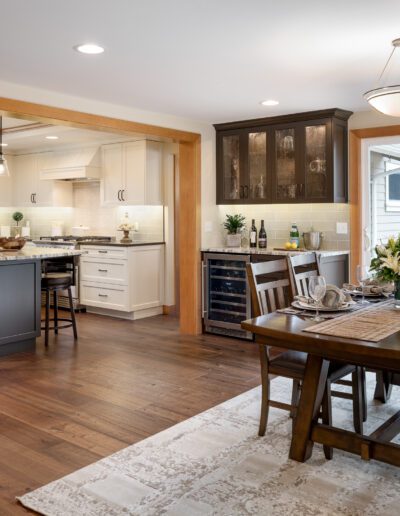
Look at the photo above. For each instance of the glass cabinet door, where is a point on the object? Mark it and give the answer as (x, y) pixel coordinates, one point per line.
(287, 188)
(257, 166)
(231, 167)
(315, 161)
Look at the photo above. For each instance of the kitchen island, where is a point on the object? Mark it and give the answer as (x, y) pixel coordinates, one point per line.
(20, 295)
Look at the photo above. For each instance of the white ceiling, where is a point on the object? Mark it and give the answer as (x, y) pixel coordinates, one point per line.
(204, 59)
(34, 140)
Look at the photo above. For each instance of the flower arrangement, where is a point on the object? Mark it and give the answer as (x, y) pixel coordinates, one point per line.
(125, 226)
(386, 264)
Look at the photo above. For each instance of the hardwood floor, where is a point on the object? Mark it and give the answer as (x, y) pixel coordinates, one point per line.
(70, 405)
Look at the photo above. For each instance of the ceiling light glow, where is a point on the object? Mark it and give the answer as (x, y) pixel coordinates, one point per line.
(51, 137)
(89, 48)
(3, 144)
(269, 102)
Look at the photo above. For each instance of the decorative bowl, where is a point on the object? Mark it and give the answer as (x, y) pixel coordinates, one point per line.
(12, 244)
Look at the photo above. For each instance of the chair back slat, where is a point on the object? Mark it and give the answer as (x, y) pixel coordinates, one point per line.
(270, 285)
(302, 268)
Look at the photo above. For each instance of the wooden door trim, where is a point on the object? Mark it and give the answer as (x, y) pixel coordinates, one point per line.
(189, 186)
(356, 136)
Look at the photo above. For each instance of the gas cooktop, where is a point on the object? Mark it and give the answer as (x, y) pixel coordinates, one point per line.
(74, 238)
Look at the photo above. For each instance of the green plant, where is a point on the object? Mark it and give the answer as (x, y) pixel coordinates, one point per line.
(17, 216)
(386, 264)
(234, 223)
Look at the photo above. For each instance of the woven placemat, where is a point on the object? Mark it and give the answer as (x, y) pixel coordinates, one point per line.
(373, 323)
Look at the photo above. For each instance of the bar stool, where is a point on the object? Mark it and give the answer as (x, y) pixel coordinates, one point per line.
(53, 282)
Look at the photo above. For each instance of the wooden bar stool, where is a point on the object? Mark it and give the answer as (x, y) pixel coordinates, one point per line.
(53, 282)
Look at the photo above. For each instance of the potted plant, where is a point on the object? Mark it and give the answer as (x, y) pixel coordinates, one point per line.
(17, 216)
(386, 265)
(234, 225)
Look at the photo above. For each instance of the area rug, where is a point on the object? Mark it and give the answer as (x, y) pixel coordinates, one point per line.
(215, 464)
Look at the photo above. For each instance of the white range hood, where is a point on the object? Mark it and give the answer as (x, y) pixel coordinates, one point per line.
(71, 165)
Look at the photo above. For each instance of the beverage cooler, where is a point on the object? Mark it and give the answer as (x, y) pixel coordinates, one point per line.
(226, 294)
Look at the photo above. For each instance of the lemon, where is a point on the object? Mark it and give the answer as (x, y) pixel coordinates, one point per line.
(288, 245)
(293, 245)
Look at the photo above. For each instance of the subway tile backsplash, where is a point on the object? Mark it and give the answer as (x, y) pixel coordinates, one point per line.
(279, 217)
(87, 211)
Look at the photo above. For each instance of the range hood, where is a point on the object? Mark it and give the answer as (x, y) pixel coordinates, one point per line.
(82, 164)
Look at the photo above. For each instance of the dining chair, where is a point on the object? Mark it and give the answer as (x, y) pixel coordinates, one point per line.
(271, 289)
(301, 268)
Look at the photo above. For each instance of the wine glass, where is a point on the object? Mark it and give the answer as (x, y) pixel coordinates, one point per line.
(363, 275)
(317, 290)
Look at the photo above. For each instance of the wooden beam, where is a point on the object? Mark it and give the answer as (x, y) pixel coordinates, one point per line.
(189, 237)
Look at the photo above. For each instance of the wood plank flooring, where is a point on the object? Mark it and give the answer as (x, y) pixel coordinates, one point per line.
(70, 405)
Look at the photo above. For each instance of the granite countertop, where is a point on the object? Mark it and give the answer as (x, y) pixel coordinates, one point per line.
(30, 252)
(119, 244)
(271, 251)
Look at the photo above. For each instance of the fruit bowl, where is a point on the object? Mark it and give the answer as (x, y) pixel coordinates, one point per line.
(12, 244)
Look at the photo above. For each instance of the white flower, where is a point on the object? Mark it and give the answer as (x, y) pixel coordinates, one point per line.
(391, 262)
(381, 250)
(125, 227)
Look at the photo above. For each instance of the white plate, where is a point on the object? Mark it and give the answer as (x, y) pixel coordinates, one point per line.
(305, 306)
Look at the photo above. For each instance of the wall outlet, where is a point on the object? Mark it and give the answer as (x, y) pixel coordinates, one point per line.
(341, 228)
(208, 226)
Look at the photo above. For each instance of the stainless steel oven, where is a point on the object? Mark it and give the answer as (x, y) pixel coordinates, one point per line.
(226, 294)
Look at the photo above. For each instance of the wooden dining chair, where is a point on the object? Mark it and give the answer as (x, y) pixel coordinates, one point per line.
(272, 289)
(301, 268)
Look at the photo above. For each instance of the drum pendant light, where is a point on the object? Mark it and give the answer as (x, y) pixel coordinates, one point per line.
(386, 99)
(3, 162)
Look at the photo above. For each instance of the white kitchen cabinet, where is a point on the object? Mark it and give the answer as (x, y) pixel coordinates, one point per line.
(29, 190)
(123, 281)
(6, 186)
(132, 173)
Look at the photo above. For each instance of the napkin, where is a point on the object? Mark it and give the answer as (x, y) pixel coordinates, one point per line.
(371, 286)
(334, 298)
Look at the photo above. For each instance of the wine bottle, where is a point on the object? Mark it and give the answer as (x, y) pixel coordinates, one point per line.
(294, 236)
(253, 234)
(262, 237)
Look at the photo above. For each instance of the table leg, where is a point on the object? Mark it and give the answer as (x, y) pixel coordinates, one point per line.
(383, 388)
(312, 393)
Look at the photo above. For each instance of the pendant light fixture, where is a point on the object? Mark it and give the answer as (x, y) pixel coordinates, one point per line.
(386, 99)
(3, 162)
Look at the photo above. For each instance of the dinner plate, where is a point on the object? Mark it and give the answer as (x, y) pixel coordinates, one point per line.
(304, 306)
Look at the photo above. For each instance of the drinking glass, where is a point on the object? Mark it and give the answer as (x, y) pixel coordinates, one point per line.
(363, 275)
(317, 290)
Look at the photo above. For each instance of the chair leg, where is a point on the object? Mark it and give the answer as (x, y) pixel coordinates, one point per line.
(47, 321)
(327, 417)
(71, 308)
(265, 387)
(295, 397)
(55, 305)
(364, 394)
(357, 400)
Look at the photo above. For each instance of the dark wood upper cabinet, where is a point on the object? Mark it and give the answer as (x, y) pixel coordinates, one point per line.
(287, 159)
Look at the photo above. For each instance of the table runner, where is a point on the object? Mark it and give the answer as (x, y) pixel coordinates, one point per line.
(373, 323)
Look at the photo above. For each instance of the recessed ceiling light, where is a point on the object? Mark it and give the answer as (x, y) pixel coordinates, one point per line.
(51, 137)
(3, 144)
(89, 48)
(269, 102)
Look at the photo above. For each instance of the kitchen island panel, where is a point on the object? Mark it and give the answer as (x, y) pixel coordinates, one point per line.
(19, 305)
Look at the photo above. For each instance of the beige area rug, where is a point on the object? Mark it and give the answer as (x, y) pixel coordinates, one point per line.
(214, 464)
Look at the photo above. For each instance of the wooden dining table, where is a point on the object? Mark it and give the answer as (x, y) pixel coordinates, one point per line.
(287, 331)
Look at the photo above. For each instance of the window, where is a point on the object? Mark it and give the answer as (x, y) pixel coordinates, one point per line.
(392, 186)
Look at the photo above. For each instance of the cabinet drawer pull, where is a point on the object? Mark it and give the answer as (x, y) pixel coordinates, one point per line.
(241, 192)
(103, 295)
(103, 252)
(122, 195)
(246, 191)
(102, 270)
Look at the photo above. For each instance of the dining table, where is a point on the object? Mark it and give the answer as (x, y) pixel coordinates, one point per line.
(292, 331)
